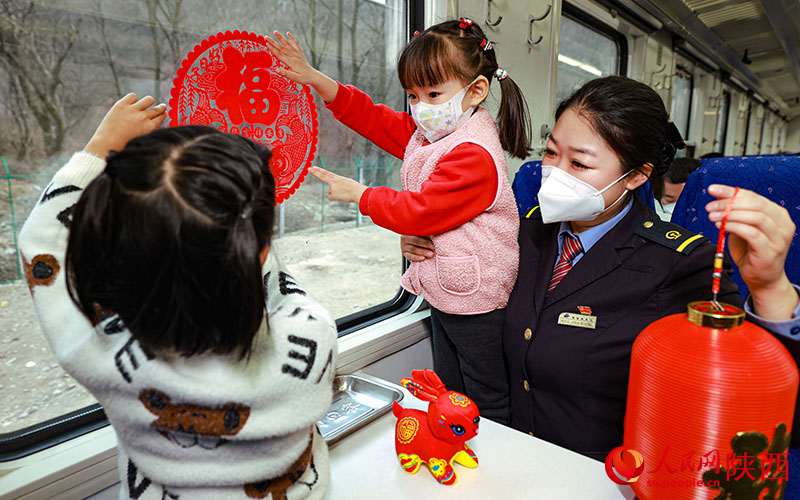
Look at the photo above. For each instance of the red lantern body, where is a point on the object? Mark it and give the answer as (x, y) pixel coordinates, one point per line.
(697, 380)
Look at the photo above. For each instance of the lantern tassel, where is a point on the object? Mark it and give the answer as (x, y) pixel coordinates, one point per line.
(720, 253)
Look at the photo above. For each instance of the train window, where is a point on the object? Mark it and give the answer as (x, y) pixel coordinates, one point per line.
(777, 147)
(722, 121)
(766, 134)
(584, 53)
(64, 63)
(682, 101)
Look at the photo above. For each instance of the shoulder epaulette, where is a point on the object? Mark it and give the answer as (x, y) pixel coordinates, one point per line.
(670, 235)
(533, 213)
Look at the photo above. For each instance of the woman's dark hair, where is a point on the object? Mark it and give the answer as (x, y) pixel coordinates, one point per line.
(631, 119)
(446, 51)
(168, 237)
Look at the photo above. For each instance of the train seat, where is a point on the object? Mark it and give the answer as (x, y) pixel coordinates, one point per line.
(776, 177)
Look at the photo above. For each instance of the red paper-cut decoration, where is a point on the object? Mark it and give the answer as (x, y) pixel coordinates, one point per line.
(227, 82)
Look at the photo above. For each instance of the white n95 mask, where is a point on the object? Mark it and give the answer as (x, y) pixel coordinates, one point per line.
(439, 120)
(564, 198)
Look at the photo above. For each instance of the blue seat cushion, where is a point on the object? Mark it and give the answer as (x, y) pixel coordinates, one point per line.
(776, 177)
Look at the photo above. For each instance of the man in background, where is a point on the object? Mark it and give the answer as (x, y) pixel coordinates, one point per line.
(667, 193)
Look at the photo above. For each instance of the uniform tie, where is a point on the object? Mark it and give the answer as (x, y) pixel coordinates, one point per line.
(572, 247)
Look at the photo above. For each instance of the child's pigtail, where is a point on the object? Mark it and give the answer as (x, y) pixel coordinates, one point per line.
(242, 265)
(513, 118)
(479, 56)
(90, 233)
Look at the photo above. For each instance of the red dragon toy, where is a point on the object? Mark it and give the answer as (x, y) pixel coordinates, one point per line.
(436, 438)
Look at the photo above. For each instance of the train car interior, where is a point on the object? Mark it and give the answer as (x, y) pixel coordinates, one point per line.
(728, 72)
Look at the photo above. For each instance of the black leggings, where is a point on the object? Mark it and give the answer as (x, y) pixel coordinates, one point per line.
(468, 357)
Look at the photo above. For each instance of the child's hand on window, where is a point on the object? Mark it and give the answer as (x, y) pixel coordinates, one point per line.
(128, 118)
(342, 188)
(289, 52)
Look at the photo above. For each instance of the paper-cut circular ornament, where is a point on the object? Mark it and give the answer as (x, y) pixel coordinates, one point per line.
(228, 82)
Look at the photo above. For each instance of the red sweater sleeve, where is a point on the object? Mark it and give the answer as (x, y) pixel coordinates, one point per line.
(390, 130)
(463, 185)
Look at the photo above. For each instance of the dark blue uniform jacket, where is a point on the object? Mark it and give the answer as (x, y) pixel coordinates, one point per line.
(569, 384)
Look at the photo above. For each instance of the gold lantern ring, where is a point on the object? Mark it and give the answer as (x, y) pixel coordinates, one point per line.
(703, 313)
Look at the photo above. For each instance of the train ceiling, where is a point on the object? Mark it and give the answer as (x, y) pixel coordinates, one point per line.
(757, 41)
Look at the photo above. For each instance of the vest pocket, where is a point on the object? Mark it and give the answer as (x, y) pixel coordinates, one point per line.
(458, 275)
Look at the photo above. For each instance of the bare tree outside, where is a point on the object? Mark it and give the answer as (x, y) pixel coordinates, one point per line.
(35, 47)
(64, 62)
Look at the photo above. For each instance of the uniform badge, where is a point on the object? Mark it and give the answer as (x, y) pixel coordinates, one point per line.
(582, 320)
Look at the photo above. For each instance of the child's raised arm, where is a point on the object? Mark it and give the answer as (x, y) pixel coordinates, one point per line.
(127, 118)
(43, 239)
(388, 129)
(289, 52)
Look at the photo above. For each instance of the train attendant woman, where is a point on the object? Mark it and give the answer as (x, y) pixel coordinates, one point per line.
(597, 266)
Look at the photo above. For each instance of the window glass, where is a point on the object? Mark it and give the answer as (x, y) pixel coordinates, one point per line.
(583, 54)
(64, 62)
(681, 101)
(722, 122)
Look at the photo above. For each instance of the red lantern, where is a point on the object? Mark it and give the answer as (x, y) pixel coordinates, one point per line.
(711, 400)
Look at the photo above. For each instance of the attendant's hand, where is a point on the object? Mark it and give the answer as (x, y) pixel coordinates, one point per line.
(127, 118)
(289, 52)
(342, 188)
(760, 233)
(417, 248)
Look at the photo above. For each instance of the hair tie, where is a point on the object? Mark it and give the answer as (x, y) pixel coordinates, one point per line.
(486, 45)
(416, 33)
(246, 211)
(674, 136)
(464, 23)
(500, 74)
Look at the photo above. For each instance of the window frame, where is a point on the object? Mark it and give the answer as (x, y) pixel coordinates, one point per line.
(749, 98)
(726, 98)
(43, 435)
(685, 71)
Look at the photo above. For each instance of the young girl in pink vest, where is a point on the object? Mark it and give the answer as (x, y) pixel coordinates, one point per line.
(456, 190)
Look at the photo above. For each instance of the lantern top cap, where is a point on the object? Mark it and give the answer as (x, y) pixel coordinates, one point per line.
(704, 313)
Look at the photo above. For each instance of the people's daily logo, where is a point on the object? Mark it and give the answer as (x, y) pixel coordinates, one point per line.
(624, 465)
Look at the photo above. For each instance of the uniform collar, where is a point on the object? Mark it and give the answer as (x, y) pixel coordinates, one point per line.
(592, 235)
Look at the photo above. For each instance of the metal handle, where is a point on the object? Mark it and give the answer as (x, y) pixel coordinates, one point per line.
(488, 14)
(531, 21)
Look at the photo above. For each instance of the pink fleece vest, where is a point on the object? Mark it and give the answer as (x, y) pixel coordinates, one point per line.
(476, 264)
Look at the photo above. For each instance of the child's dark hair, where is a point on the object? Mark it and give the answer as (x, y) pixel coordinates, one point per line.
(168, 237)
(446, 51)
(631, 119)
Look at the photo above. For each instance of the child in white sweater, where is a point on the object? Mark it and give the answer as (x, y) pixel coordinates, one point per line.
(157, 290)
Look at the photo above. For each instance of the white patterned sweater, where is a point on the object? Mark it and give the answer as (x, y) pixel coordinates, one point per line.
(203, 427)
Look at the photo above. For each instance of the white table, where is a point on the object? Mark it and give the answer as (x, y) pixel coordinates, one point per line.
(512, 466)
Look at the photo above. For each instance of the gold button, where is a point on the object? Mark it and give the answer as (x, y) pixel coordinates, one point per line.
(528, 334)
(530, 433)
(648, 225)
(526, 386)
